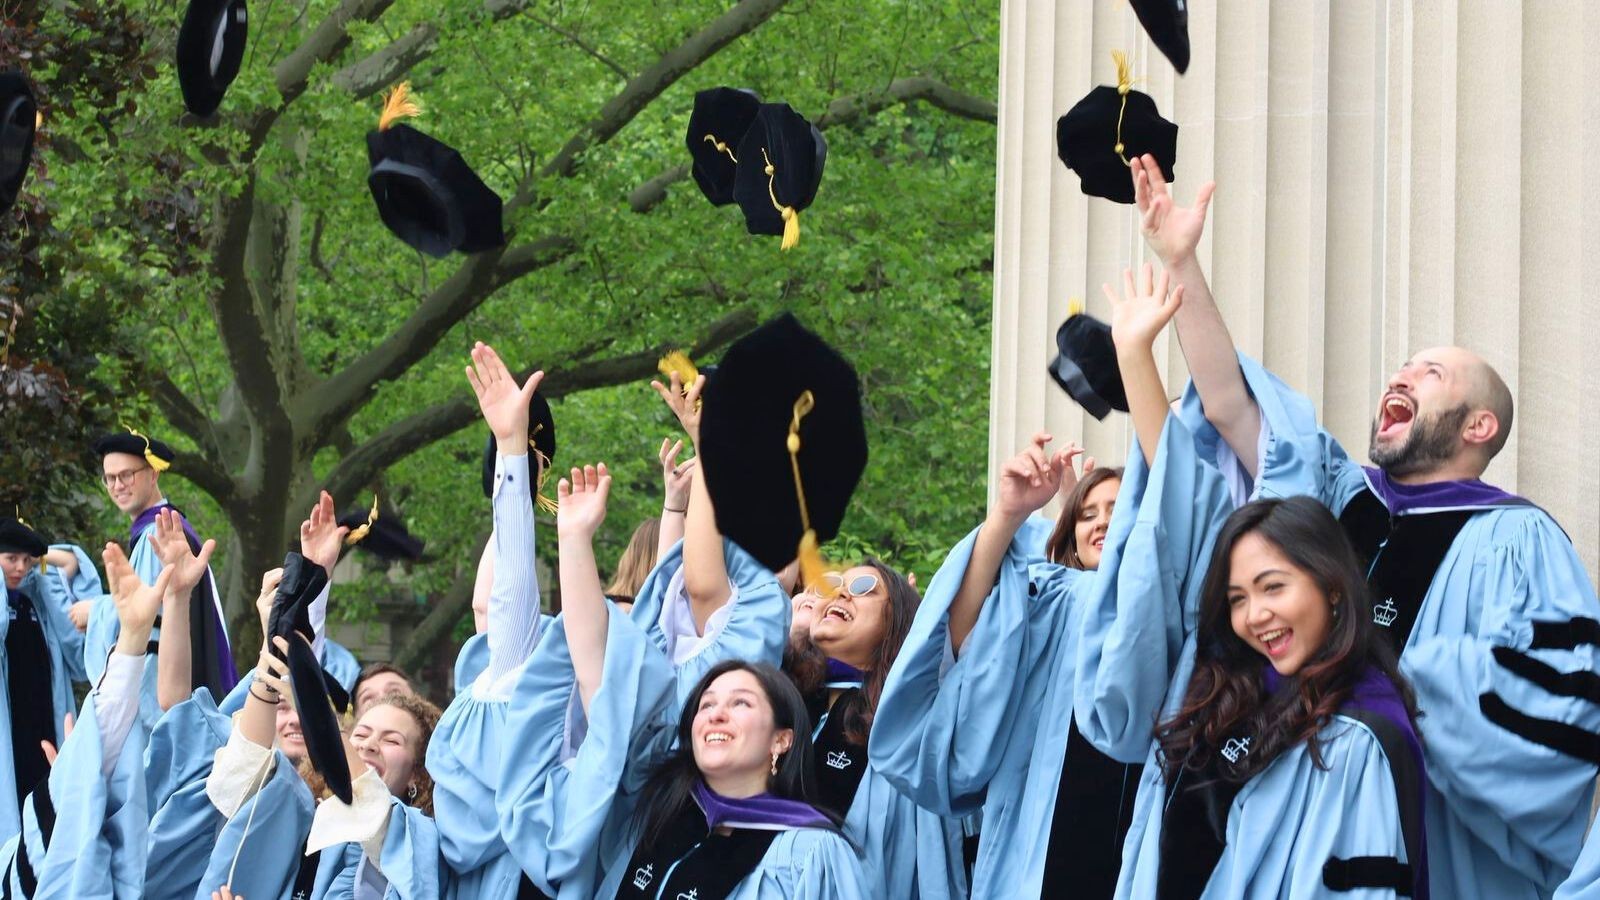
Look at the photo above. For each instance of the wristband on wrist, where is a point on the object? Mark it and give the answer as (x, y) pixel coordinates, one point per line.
(665, 508)
(271, 698)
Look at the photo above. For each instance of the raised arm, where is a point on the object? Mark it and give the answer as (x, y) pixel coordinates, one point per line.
(513, 615)
(321, 537)
(174, 661)
(1137, 317)
(675, 477)
(1027, 482)
(258, 723)
(116, 703)
(1173, 232)
(582, 507)
(705, 569)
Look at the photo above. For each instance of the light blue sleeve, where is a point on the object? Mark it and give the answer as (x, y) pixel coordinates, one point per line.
(1290, 820)
(258, 852)
(821, 865)
(1144, 601)
(1584, 882)
(19, 854)
(338, 661)
(97, 847)
(409, 863)
(183, 823)
(943, 724)
(59, 593)
(754, 626)
(84, 584)
(1510, 735)
(564, 809)
(473, 659)
(100, 637)
(465, 760)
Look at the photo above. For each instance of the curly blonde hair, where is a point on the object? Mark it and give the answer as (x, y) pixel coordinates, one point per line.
(426, 715)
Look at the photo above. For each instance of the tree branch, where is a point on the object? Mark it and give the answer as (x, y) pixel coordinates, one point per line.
(181, 411)
(441, 420)
(745, 17)
(583, 45)
(243, 331)
(326, 42)
(205, 475)
(845, 111)
(335, 400)
(371, 75)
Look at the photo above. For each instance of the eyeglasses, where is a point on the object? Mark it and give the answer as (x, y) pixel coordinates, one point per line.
(859, 586)
(112, 479)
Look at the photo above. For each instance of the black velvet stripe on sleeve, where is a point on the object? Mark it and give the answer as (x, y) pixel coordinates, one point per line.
(1582, 684)
(1409, 778)
(1367, 872)
(1567, 635)
(1575, 742)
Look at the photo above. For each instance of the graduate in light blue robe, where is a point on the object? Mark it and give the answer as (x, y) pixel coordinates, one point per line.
(81, 584)
(1502, 620)
(465, 755)
(569, 810)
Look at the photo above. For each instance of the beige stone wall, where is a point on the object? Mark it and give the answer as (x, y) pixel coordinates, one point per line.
(1391, 176)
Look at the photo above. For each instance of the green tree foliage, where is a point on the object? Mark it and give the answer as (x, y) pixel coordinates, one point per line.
(290, 343)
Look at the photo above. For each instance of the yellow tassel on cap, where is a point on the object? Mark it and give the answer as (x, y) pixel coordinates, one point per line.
(156, 462)
(1075, 306)
(397, 105)
(361, 531)
(812, 565)
(544, 503)
(721, 147)
(1124, 85)
(678, 363)
(791, 216)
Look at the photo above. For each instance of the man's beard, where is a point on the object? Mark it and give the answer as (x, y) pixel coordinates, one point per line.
(1432, 441)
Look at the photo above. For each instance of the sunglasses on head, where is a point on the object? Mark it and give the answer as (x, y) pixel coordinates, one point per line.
(859, 586)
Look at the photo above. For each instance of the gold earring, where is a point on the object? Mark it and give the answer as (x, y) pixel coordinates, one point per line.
(774, 762)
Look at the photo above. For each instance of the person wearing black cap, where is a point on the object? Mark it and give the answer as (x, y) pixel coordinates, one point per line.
(1478, 587)
(43, 657)
(131, 471)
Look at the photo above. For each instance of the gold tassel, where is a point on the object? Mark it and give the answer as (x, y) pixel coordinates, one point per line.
(361, 531)
(156, 462)
(1074, 306)
(812, 565)
(397, 105)
(721, 147)
(1124, 85)
(539, 499)
(678, 363)
(791, 216)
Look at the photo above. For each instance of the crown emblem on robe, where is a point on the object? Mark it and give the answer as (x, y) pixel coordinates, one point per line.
(1235, 749)
(643, 875)
(838, 759)
(1385, 613)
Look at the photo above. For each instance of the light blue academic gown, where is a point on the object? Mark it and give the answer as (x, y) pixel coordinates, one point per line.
(1506, 813)
(65, 645)
(101, 635)
(96, 847)
(1135, 657)
(409, 861)
(83, 585)
(338, 661)
(988, 729)
(753, 626)
(568, 813)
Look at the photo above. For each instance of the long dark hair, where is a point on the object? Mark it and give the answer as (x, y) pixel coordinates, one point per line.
(1063, 545)
(1225, 697)
(670, 788)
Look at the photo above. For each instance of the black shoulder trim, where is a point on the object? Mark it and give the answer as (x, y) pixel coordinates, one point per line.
(1581, 684)
(44, 810)
(1558, 736)
(1409, 788)
(1565, 635)
(1367, 872)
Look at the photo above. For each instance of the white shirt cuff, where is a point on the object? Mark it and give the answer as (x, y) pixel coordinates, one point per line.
(363, 821)
(238, 771)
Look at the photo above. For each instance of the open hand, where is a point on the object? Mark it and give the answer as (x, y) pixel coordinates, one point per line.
(1029, 479)
(321, 535)
(172, 546)
(1069, 472)
(676, 477)
(137, 603)
(269, 590)
(1142, 310)
(582, 500)
(1172, 231)
(503, 403)
(684, 403)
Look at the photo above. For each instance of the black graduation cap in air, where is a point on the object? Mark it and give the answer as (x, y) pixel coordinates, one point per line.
(383, 536)
(1086, 365)
(17, 537)
(211, 46)
(156, 453)
(780, 166)
(1110, 126)
(426, 193)
(720, 119)
(749, 408)
(541, 438)
(19, 115)
(290, 619)
(1167, 23)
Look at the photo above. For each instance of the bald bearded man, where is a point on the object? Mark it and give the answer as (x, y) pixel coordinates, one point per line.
(1480, 591)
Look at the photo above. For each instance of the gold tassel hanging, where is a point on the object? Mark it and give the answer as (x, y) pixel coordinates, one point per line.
(721, 147)
(361, 531)
(1124, 85)
(156, 462)
(678, 363)
(398, 104)
(1074, 306)
(545, 504)
(812, 565)
(791, 216)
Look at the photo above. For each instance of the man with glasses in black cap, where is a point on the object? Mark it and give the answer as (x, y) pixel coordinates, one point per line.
(131, 467)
